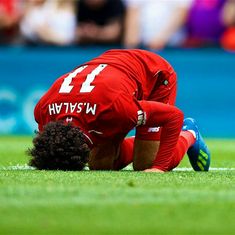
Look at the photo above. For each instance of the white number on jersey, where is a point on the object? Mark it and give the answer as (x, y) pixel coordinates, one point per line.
(66, 86)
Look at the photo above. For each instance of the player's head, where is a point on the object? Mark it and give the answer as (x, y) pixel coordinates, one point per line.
(59, 146)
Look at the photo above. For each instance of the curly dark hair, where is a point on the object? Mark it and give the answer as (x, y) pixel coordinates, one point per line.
(60, 146)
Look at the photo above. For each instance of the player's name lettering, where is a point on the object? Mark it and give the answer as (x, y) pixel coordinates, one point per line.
(66, 107)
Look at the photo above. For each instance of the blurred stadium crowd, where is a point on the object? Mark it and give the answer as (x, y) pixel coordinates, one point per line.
(153, 24)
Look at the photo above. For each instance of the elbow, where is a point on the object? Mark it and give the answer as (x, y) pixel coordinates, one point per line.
(177, 117)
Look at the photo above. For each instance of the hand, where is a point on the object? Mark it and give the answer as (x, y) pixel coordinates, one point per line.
(88, 31)
(154, 170)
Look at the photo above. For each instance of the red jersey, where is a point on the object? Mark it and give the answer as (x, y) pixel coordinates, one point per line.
(140, 66)
(102, 96)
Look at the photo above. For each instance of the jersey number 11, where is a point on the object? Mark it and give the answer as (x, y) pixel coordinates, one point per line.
(66, 86)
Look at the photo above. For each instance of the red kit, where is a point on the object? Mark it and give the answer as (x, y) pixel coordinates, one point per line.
(106, 97)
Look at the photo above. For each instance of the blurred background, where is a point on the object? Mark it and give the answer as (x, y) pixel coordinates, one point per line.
(42, 39)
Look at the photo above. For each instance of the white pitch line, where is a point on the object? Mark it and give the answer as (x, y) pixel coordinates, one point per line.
(211, 169)
(17, 167)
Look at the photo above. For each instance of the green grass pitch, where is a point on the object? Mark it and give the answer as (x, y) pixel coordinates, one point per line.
(125, 202)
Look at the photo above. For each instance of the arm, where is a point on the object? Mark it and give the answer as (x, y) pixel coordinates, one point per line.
(110, 32)
(102, 157)
(171, 119)
(49, 35)
(228, 13)
(131, 27)
(177, 20)
(90, 32)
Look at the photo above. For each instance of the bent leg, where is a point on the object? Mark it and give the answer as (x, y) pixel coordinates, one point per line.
(186, 139)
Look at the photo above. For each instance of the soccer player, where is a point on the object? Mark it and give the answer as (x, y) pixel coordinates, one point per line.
(86, 114)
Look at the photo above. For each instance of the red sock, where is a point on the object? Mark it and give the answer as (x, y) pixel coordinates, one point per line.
(126, 154)
(186, 139)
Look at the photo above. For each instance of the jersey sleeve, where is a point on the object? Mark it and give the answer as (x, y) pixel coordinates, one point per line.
(37, 116)
(171, 119)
